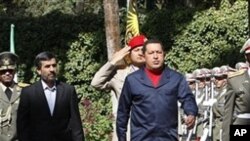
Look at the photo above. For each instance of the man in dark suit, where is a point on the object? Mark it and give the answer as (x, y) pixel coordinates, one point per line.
(150, 96)
(48, 109)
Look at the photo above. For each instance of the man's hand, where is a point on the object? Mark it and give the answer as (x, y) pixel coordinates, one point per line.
(119, 55)
(190, 121)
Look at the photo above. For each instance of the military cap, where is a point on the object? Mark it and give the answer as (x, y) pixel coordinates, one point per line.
(246, 47)
(190, 77)
(8, 61)
(137, 41)
(199, 73)
(207, 72)
(217, 71)
(241, 65)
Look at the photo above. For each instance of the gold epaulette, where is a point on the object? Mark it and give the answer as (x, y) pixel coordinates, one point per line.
(237, 73)
(22, 85)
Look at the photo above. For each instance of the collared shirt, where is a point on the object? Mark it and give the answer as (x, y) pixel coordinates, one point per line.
(50, 94)
(4, 87)
(133, 68)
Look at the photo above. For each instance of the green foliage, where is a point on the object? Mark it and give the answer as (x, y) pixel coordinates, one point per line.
(77, 40)
(36, 8)
(198, 38)
(194, 37)
(213, 38)
(33, 35)
(84, 58)
(97, 121)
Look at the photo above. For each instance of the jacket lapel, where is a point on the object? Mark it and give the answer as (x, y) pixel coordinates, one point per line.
(59, 93)
(144, 78)
(15, 94)
(165, 77)
(3, 96)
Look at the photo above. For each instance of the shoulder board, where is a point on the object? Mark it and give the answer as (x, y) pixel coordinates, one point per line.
(22, 85)
(237, 73)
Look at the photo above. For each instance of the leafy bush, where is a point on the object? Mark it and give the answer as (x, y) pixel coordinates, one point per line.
(194, 37)
(213, 38)
(197, 38)
(85, 56)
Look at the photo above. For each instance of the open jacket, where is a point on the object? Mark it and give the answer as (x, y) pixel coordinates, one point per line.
(35, 122)
(153, 110)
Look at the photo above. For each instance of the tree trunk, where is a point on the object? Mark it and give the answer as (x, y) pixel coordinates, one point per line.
(112, 28)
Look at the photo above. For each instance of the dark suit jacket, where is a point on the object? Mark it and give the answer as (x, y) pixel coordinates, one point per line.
(34, 121)
(153, 109)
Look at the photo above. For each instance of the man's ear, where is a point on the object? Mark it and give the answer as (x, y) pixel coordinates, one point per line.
(38, 71)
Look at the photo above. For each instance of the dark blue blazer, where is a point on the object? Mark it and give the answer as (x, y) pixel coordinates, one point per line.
(153, 110)
(34, 121)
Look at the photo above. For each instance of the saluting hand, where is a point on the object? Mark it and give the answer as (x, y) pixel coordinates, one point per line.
(119, 55)
(190, 121)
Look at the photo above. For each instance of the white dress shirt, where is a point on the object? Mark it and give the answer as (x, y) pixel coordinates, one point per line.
(50, 94)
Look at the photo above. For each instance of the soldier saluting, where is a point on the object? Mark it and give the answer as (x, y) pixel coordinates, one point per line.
(9, 96)
(237, 106)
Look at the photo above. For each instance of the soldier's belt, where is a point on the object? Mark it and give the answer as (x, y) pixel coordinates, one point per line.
(244, 115)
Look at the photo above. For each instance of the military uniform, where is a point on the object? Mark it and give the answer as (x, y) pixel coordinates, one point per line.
(8, 109)
(237, 99)
(110, 77)
(218, 112)
(8, 103)
(200, 98)
(220, 77)
(200, 75)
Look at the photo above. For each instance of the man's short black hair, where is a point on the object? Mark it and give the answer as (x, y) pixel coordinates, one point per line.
(152, 40)
(43, 56)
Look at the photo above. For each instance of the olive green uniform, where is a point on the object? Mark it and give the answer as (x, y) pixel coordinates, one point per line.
(200, 97)
(237, 102)
(218, 112)
(8, 113)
